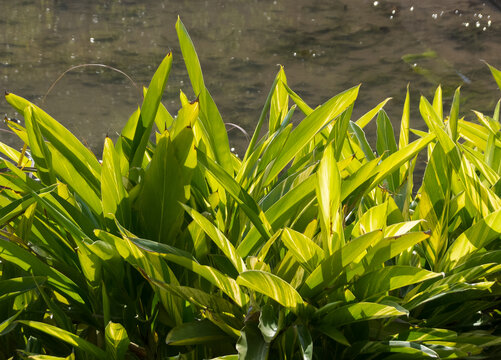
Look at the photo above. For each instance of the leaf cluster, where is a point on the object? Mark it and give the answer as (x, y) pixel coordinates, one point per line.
(313, 245)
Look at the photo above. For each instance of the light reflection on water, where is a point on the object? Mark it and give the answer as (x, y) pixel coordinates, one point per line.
(325, 46)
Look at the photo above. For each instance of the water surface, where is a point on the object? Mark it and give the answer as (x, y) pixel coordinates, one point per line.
(325, 46)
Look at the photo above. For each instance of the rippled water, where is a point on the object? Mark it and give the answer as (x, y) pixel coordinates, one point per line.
(325, 46)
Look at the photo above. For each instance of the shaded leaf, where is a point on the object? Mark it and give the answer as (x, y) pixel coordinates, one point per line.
(194, 333)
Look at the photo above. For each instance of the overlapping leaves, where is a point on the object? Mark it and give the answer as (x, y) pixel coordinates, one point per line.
(311, 246)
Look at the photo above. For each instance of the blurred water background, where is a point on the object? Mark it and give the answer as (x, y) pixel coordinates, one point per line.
(326, 47)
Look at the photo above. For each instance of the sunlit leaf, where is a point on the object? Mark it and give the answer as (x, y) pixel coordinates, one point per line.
(389, 278)
(307, 129)
(67, 337)
(360, 311)
(272, 286)
(117, 341)
(149, 110)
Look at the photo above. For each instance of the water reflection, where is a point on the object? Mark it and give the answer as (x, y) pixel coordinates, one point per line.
(325, 46)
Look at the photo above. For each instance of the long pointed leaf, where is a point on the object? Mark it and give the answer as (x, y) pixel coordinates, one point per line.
(67, 337)
(149, 111)
(209, 114)
(273, 287)
(309, 127)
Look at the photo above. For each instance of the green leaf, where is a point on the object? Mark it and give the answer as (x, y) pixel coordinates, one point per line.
(71, 174)
(9, 324)
(330, 269)
(273, 287)
(478, 259)
(163, 119)
(18, 285)
(209, 114)
(251, 345)
(309, 127)
(39, 150)
(305, 342)
(60, 318)
(165, 185)
(395, 160)
(114, 196)
(117, 341)
(401, 228)
(61, 138)
(496, 74)
(438, 104)
(199, 298)
(359, 180)
(305, 108)
(474, 239)
(241, 196)
(227, 284)
(361, 311)
(279, 102)
(15, 208)
(328, 191)
(390, 247)
(362, 141)
(14, 155)
(339, 131)
(194, 333)
(365, 119)
(251, 148)
(219, 239)
(434, 203)
(306, 252)
(273, 145)
(190, 58)
(386, 146)
(29, 262)
(405, 121)
(279, 213)
(436, 126)
(483, 168)
(480, 196)
(67, 337)
(452, 125)
(389, 278)
(409, 350)
(475, 134)
(149, 110)
(49, 357)
(456, 283)
(335, 334)
(373, 219)
(268, 323)
(427, 334)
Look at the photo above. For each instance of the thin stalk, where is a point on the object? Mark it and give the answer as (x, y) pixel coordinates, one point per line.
(97, 65)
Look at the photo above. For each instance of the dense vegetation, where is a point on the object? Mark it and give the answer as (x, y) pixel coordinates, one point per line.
(312, 245)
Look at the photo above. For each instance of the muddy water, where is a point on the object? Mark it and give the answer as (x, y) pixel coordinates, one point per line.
(326, 47)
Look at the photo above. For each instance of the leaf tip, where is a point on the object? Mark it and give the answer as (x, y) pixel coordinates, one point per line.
(179, 22)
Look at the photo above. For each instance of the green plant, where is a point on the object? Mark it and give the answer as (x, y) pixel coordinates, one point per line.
(311, 246)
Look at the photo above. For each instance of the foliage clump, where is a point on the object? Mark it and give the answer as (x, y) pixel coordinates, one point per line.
(312, 246)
